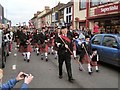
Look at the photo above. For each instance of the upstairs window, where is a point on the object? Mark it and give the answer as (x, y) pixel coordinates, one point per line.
(82, 4)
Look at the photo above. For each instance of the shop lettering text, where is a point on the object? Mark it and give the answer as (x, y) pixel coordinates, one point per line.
(115, 7)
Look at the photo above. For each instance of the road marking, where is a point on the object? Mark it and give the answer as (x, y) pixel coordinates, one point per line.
(15, 48)
(15, 54)
(14, 67)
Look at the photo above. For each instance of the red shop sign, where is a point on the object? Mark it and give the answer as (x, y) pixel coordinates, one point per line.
(108, 9)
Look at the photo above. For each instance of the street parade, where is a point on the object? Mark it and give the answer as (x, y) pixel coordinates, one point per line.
(80, 54)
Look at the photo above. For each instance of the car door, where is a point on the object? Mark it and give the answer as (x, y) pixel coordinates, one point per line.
(108, 52)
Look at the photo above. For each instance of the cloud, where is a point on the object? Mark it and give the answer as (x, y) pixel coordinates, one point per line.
(23, 10)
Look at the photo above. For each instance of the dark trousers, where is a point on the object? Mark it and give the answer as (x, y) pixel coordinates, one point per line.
(67, 58)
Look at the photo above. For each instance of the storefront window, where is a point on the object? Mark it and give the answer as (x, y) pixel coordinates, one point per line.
(103, 1)
(94, 2)
(112, 0)
(82, 4)
(99, 2)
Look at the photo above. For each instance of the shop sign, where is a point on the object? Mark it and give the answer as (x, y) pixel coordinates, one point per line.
(107, 9)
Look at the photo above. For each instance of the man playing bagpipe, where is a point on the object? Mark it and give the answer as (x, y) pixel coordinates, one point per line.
(95, 59)
(25, 47)
(51, 41)
(57, 33)
(35, 41)
(64, 44)
(16, 35)
(72, 35)
(84, 52)
(43, 43)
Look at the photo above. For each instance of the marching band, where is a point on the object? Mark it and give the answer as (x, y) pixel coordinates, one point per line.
(58, 41)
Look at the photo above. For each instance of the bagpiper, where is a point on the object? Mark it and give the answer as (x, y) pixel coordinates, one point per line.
(57, 33)
(85, 52)
(51, 41)
(25, 47)
(95, 59)
(35, 41)
(43, 44)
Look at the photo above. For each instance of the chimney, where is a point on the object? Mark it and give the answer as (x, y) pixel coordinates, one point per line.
(35, 15)
(38, 12)
(47, 7)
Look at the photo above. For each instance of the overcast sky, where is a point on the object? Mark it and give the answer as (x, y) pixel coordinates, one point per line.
(23, 10)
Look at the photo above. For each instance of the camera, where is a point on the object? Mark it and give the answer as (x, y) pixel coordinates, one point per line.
(24, 75)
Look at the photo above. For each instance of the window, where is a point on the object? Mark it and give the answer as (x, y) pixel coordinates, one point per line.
(103, 1)
(82, 4)
(69, 9)
(112, 0)
(97, 40)
(66, 10)
(109, 41)
(94, 2)
(67, 19)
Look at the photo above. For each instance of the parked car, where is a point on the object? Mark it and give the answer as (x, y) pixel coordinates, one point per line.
(108, 46)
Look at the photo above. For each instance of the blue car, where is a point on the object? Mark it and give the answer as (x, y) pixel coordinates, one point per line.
(108, 46)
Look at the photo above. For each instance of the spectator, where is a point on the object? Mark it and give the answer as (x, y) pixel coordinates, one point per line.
(11, 83)
(96, 28)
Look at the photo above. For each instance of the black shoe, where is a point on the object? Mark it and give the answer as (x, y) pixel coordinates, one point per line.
(60, 76)
(28, 60)
(89, 73)
(71, 80)
(24, 59)
(7, 54)
(80, 69)
(48, 53)
(55, 57)
(46, 59)
(91, 70)
(97, 70)
(37, 54)
(34, 50)
(52, 53)
(41, 58)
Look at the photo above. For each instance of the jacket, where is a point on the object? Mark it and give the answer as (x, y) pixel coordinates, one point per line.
(11, 83)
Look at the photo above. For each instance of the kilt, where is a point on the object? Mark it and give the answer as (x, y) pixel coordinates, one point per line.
(43, 48)
(94, 63)
(23, 49)
(51, 43)
(74, 46)
(86, 59)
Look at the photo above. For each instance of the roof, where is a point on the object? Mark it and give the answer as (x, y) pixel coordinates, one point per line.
(66, 5)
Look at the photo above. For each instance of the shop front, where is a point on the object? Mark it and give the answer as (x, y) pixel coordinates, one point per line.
(108, 18)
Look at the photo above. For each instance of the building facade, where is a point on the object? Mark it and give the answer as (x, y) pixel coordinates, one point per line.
(55, 14)
(41, 17)
(105, 12)
(1, 14)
